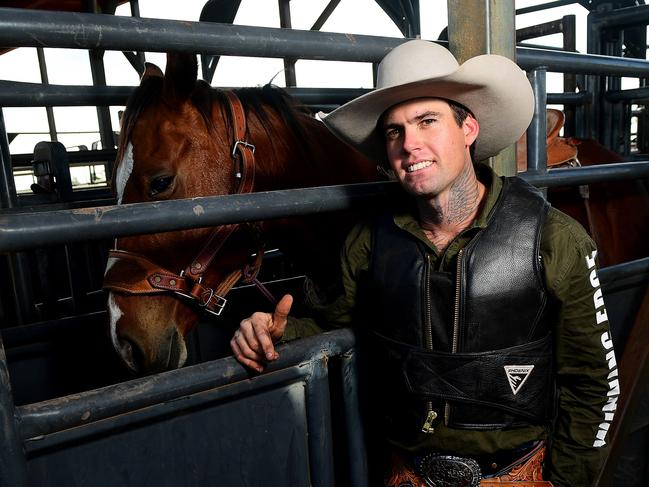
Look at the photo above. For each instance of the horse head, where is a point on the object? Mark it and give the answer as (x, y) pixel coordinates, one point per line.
(181, 138)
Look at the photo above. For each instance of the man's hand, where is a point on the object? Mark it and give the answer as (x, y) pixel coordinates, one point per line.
(253, 343)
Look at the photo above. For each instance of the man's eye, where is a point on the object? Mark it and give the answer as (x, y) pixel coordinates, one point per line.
(159, 185)
(428, 121)
(392, 134)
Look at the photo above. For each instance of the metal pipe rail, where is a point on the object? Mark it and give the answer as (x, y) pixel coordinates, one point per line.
(621, 17)
(21, 94)
(67, 412)
(635, 94)
(34, 28)
(21, 231)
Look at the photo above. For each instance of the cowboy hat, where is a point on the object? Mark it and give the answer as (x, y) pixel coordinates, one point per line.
(492, 87)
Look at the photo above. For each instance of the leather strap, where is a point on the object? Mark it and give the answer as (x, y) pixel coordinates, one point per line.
(525, 472)
(243, 155)
(132, 273)
(142, 276)
(515, 483)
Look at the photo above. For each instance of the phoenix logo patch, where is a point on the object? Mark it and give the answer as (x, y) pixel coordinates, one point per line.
(517, 375)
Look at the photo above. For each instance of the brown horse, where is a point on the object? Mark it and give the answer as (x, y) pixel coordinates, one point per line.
(614, 213)
(182, 138)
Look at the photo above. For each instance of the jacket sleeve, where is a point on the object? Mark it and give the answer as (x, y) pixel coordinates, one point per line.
(586, 370)
(354, 261)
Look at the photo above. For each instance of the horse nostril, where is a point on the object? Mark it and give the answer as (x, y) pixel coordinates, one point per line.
(131, 354)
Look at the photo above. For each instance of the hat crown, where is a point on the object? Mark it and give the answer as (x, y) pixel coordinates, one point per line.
(414, 61)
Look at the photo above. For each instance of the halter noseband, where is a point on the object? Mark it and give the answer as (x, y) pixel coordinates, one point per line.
(151, 278)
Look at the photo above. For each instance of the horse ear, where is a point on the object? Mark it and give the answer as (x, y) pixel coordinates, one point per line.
(180, 76)
(150, 70)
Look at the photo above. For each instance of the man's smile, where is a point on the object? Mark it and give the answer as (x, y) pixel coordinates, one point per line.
(418, 165)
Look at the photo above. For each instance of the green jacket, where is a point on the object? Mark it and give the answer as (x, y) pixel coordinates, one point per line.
(586, 371)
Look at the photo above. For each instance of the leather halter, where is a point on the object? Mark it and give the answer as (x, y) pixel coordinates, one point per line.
(150, 278)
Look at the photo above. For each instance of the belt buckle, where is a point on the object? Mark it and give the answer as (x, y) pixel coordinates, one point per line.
(447, 470)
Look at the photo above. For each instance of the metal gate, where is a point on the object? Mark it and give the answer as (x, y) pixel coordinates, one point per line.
(214, 423)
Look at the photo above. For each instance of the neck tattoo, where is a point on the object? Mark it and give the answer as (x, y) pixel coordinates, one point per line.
(441, 223)
(463, 199)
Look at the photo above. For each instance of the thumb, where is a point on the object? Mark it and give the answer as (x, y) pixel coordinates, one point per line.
(280, 314)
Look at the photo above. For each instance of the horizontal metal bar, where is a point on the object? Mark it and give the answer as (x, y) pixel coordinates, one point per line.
(544, 6)
(67, 412)
(23, 27)
(21, 230)
(609, 275)
(32, 230)
(627, 95)
(539, 30)
(34, 28)
(570, 62)
(621, 17)
(589, 174)
(74, 157)
(21, 94)
(166, 407)
(581, 98)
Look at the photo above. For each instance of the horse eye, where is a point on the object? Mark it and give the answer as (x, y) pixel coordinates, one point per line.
(159, 185)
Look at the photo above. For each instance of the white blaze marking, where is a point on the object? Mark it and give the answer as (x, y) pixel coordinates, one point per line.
(109, 264)
(115, 314)
(124, 169)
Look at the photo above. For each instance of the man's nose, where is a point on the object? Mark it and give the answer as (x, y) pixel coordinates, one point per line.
(411, 140)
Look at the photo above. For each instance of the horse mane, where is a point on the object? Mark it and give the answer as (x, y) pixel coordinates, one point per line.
(254, 100)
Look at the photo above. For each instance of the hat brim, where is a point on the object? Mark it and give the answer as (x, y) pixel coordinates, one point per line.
(493, 87)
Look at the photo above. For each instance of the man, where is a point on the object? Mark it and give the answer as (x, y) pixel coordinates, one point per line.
(487, 332)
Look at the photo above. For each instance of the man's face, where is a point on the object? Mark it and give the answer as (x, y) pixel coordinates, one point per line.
(426, 148)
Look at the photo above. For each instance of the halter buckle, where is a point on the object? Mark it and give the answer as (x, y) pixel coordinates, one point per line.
(243, 143)
(219, 302)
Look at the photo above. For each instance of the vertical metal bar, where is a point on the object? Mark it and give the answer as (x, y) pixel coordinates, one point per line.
(8, 197)
(13, 465)
(319, 423)
(569, 29)
(358, 470)
(99, 79)
(626, 134)
(484, 27)
(285, 23)
(537, 160)
(594, 83)
(103, 114)
(18, 267)
(612, 113)
(135, 12)
(40, 52)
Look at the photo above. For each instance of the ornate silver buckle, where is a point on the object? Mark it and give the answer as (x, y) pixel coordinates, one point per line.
(442, 470)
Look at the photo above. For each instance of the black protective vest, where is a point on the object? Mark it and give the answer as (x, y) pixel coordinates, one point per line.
(474, 343)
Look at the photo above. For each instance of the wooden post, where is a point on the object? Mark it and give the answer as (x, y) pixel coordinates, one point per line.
(484, 27)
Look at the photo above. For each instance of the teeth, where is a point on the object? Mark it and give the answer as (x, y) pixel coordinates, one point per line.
(419, 165)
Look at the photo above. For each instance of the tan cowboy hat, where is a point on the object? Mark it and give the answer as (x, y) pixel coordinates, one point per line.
(493, 87)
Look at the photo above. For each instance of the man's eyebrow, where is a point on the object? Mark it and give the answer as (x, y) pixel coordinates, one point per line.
(418, 118)
(428, 113)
